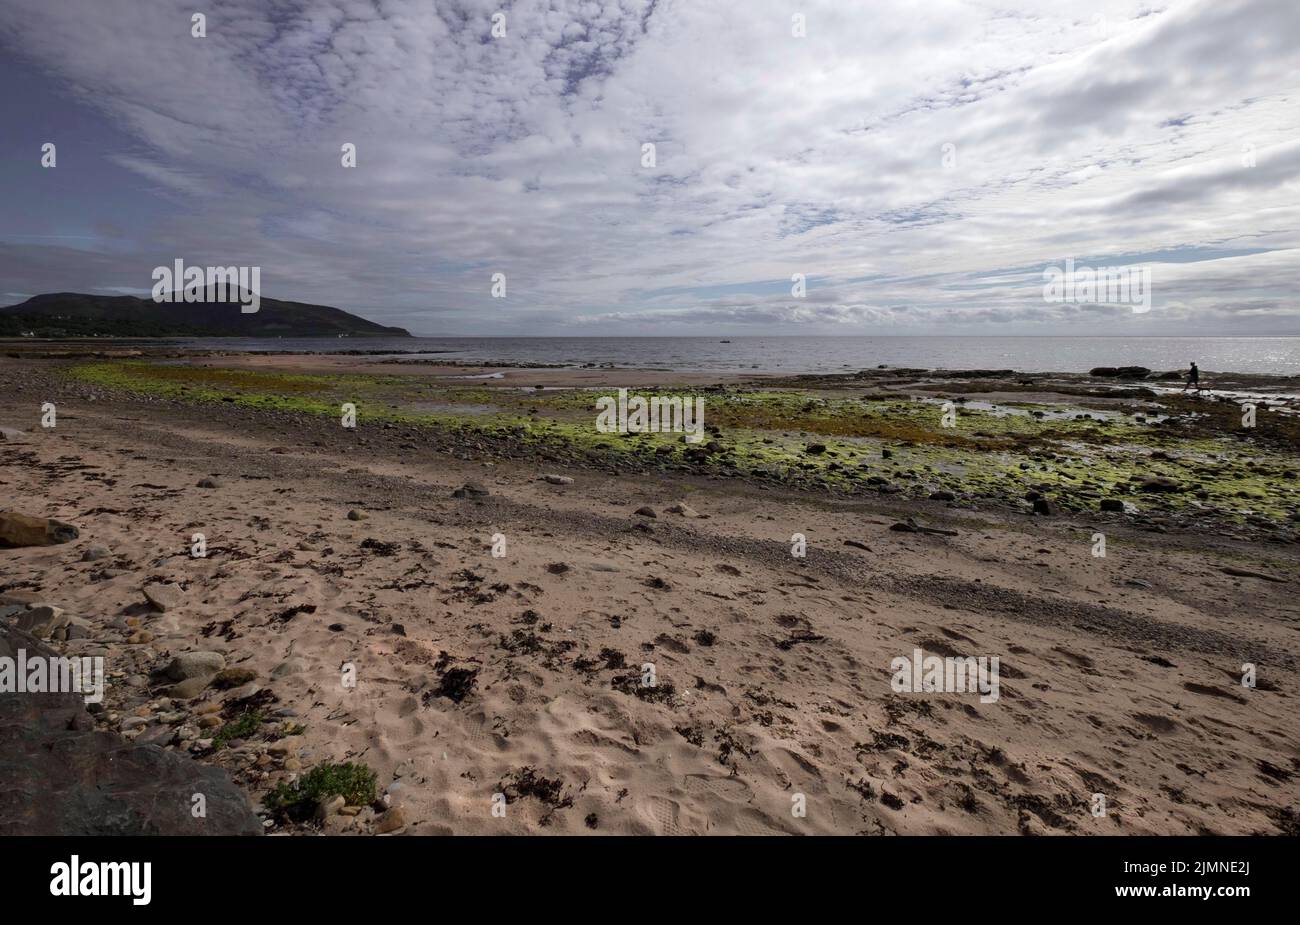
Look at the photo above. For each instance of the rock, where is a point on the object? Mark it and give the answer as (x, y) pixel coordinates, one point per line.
(139, 638)
(1160, 484)
(190, 687)
(683, 509)
(1112, 504)
(92, 781)
(162, 736)
(195, 664)
(78, 628)
(857, 544)
(95, 553)
(330, 807)
(1042, 506)
(233, 677)
(1247, 573)
(911, 526)
(295, 664)
(243, 692)
(391, 821)
(1122, 372)
(163, 597)
(210, 721)
(815, 449)
(10, 433)
(471, 490)
(646, 511)
(209, 483)
(42, 621)
(942, 496)
(886, 454)
(18, 530)
(558, 479)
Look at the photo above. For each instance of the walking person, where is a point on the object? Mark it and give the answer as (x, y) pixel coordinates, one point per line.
(1193, 379)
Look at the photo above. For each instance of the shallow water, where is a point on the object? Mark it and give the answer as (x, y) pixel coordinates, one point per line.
(1263, 355)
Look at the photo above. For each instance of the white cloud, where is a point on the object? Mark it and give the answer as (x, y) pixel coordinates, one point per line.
(1074, 135)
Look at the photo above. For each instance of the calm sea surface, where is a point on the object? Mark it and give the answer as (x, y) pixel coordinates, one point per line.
(1272, 355)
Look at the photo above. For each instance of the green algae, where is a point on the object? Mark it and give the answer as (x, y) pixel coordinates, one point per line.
(808, 440)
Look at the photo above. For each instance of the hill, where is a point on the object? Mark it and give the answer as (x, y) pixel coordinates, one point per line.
(72, 314)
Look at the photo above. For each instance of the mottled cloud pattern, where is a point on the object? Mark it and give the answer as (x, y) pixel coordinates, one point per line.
(919, 164)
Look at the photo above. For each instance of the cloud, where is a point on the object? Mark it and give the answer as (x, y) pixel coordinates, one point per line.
(1117, 130)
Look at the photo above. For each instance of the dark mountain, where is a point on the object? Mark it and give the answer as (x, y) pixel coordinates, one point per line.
(72, 314)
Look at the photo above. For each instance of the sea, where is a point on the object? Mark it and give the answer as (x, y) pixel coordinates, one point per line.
(792, 355)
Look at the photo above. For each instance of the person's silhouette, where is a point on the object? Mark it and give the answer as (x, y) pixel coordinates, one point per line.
(1193, 378)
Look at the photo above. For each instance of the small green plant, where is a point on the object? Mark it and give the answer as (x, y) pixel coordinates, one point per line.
(241, 728)
(297, 801)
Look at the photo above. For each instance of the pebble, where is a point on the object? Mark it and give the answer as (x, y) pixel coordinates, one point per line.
(391, 821)
(195, 664)
(233, 677)
(330, 807)
(163, 597)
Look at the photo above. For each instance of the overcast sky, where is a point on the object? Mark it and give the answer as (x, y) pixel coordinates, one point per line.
(1159, 134)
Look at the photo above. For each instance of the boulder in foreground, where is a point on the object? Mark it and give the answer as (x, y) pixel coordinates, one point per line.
(60, 777)
(25, 530)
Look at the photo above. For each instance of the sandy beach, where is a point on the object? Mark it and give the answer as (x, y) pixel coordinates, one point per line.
(475, 628)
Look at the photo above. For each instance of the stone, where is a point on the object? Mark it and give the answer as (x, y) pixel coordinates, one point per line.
(243, 692)
(293, 665)
(95, 553)
(233, 677)
(683, 509)
(78, 628)
(646, 511)
(195, 664)
(1042, 506)
(18, 530)
(93, 781)
(1112, 504)
(160, 735)
(190, 687)
(942, 496)
(209, 483)
(471, 490)
(330, 807)
(1160, 484)
(391, 821)
(210, 721)
(43, 621)
(163, 597)
(558, 479)
(354, 514)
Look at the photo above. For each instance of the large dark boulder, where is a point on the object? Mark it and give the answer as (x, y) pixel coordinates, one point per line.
(61, 776)
(1119, 372)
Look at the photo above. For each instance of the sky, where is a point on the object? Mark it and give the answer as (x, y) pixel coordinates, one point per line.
(919, 166)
